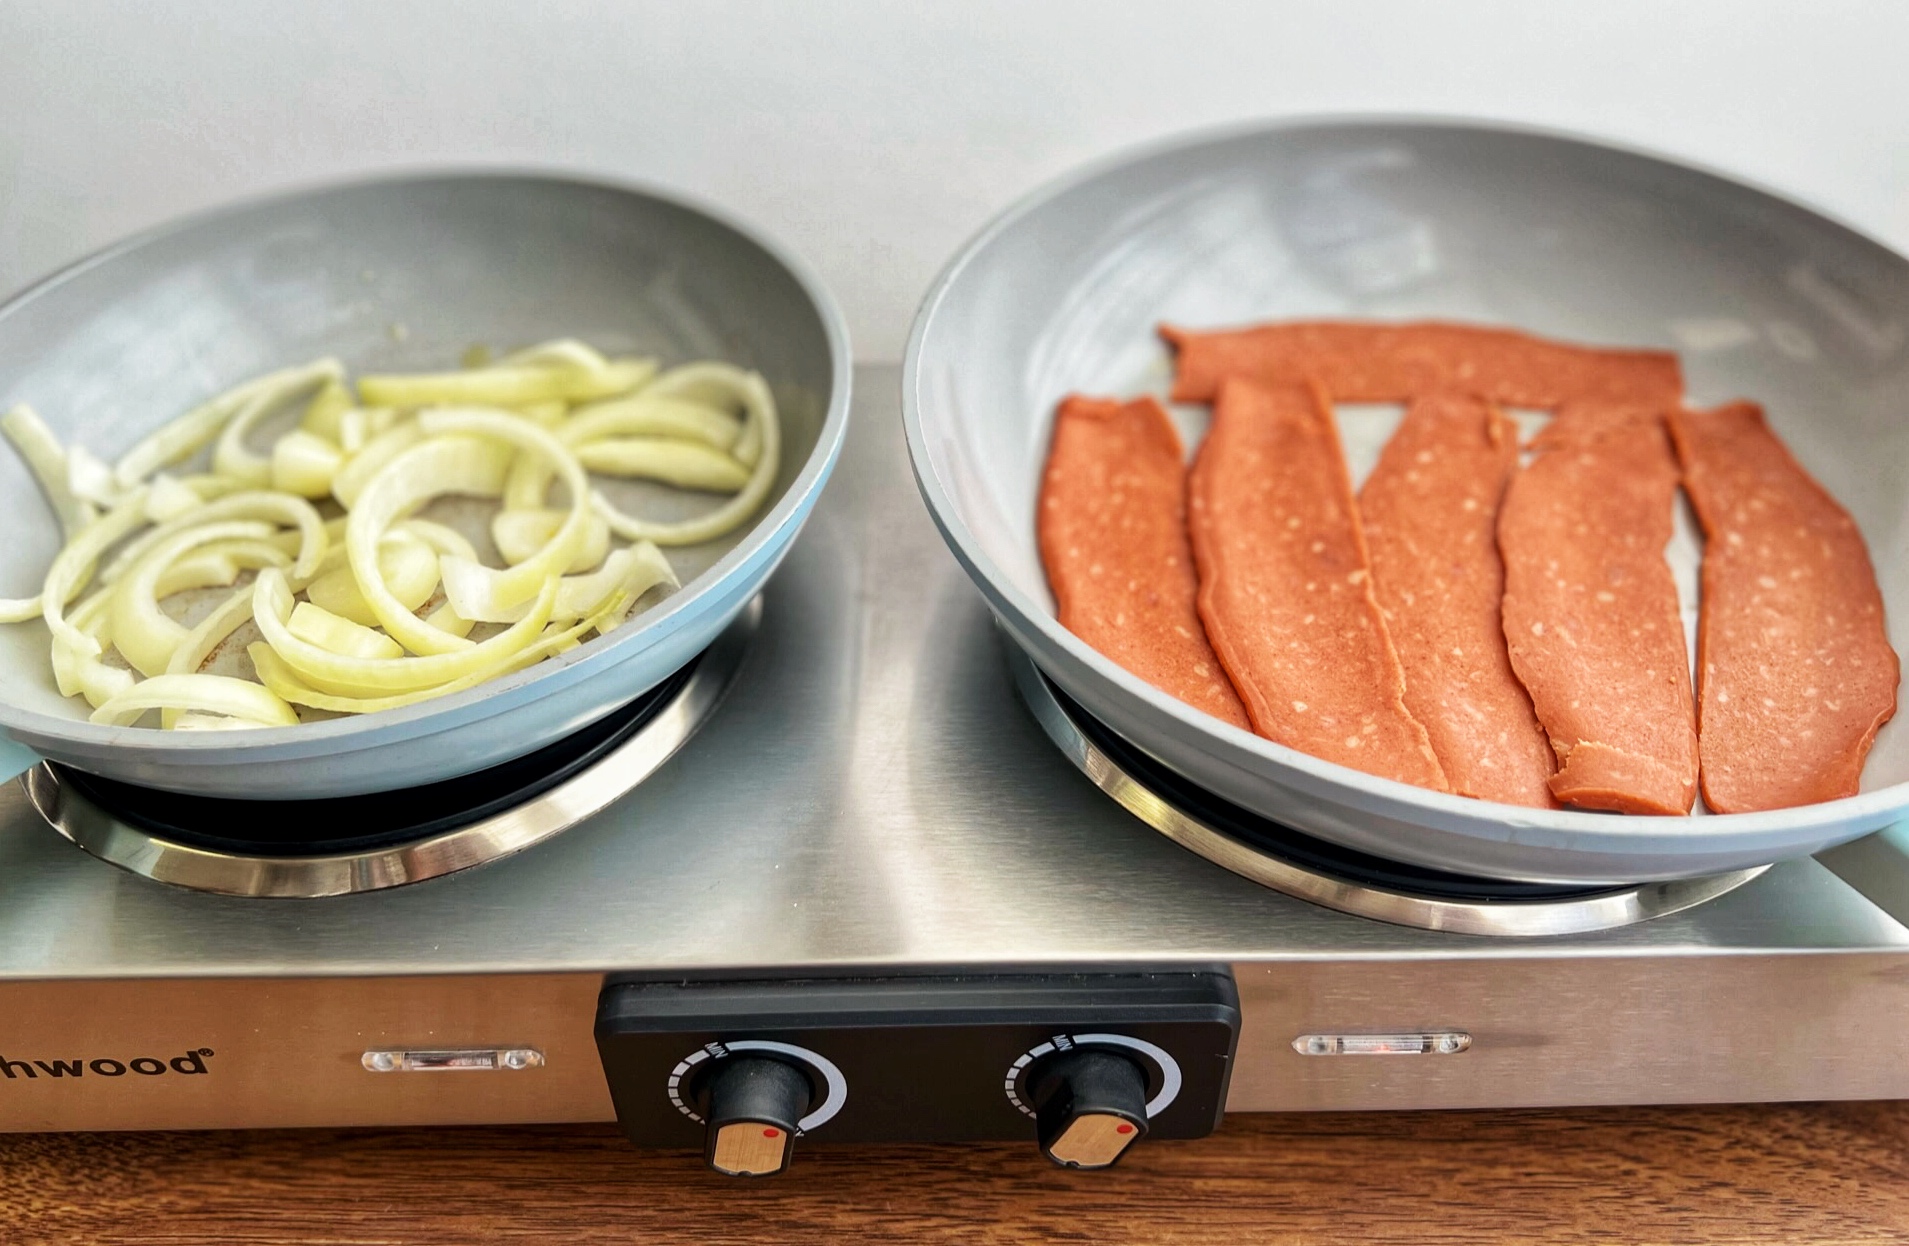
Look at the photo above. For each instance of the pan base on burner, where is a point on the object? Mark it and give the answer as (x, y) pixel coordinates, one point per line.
(293, 848)
(1328, 874)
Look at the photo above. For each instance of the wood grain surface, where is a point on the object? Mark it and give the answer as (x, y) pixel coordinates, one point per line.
(1798, 1174)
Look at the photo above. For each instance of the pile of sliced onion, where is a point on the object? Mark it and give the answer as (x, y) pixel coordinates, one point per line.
(361, 604)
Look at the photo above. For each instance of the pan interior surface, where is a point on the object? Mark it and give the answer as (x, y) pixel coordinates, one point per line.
(1759, 297)
(397, 275)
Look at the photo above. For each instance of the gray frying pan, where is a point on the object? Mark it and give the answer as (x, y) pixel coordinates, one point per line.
(1385, 220)
(405, 274)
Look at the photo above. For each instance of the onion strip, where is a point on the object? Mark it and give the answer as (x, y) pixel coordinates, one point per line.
(191, 431)
(282, 679)
(330, 672)
(685, 464)
(407, 565)
(46, 459)
(486, 593)
(520, 534)
(231, 457)
(280, 508)
(214, 694)
(506, 385)
(648, 414)
(759, 423)
(73, 567)
(144, 635)
(432, 468)
(716, 385)
(85, 674)
(219, 565)
(358, 468)
(227, 617)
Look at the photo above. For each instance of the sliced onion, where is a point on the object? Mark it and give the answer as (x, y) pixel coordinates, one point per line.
(559, 352)
(367, 462)
(321, 418)
(445, 540)
(281, 678)
(470, 466)
(191, 431)
(761, 423)
(85, 674)
(232, 458)
(90, 478)
(280, 508)
(685, 464)
(518, 535)
(305, 463)
(210, 488)
(318, 626)
(168, 498)
(211, 694)
(144, 635)
(649, 414)
(634, 571)
(73, 567)
(445, 619)
(384, 461)
(227, 617)
(46, 459)
(644, 414)
(484, 593)
(721, 385)
(330, 672)
(408, 566)
(360, 424)
(648, 568)
(217, 566)
(506, 385)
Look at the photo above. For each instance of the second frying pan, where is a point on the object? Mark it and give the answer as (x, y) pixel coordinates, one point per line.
(1385, 220)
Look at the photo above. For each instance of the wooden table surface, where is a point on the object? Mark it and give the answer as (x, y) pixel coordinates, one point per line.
(1796, 1174)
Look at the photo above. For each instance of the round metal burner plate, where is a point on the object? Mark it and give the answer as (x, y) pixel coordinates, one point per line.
(203, 844)
(1327, 874)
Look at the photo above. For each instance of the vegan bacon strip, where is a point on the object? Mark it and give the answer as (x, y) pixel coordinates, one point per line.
(1400, 362)
(1286, 590)
(1430, 510)
(1795, 673)
(1590, 610)
(1113, 537)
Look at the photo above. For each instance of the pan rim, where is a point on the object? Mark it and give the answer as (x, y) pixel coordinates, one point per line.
(764, 539)
(1564, 829)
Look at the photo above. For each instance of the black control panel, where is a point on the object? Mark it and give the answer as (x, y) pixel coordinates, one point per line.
(1084, 1065)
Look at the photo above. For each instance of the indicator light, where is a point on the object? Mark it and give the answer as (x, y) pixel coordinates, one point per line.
(453, 1061)
(1433, 1043)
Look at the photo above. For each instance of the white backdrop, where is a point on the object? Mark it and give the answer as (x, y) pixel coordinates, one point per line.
(875, 137)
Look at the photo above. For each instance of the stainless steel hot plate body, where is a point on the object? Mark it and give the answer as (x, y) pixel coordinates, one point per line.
(873, 797)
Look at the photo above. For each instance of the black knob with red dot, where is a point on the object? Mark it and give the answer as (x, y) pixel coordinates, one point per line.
(754, 1103)
(1090, 1105)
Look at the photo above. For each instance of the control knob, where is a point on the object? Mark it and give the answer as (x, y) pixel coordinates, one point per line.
(753, 1104)
(1090, 1105)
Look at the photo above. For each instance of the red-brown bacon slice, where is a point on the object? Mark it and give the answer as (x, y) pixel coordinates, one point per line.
(1590, 610)
(1113, 536)
(1430, 510)
(1365, 362)
(1795, 672)
(1286, 588)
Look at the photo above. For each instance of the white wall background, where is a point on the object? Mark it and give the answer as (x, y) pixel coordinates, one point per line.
(875, 137)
